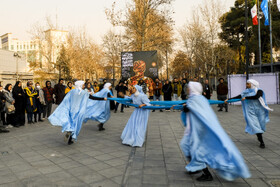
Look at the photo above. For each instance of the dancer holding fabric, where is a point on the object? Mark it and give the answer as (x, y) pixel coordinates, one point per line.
(255, 109)
(205, 143)
(100, 112)
(70, 114)
(135, 129)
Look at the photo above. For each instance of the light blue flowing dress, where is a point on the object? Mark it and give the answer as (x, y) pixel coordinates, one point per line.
(206, 143)
(256, 116)
(135, 130)
(70, 114)
(98, 110)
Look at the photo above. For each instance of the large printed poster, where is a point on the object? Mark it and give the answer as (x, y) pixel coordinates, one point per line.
(138, 66)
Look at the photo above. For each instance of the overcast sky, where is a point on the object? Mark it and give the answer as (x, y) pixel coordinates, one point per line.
(17, 16)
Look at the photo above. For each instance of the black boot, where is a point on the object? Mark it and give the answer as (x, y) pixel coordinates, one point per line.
(40, 120)
(35, 118)
(259, 135)
(100, 126)
(206, 176)
(70, 141)
(67, 136)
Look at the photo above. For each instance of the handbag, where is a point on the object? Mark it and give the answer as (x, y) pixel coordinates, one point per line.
(10, 108)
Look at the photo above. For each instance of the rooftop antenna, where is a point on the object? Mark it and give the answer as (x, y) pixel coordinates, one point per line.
(56, 20)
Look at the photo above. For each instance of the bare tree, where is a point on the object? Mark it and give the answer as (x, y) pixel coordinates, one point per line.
(147, 23)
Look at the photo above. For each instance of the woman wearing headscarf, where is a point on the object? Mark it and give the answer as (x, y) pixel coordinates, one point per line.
(9, 105)
(100, 110)
(48, 94)
(69, 87)
(30, 95)
(71, 113)
(205, 143)
(89, 89)
(40, 102)
(19, 97)
(135, 130)
(255, 109)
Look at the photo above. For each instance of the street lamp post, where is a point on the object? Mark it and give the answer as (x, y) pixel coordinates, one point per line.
(17, 56)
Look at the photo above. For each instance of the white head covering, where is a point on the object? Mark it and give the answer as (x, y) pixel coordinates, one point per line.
(107, 85)
(79, 85)
(256, 85)
(138, 90)
(195, 88)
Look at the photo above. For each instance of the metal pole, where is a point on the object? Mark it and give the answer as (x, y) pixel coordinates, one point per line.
(270, 30)
(246, 39)
(167, 63)
(259, 32)
(17, 69)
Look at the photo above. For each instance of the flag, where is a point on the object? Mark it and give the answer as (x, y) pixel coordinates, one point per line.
(264, 7)
(254, 15)
(278, 4)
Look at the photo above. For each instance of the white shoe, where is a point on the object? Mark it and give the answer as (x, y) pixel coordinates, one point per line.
(10, 126)
(43, 118)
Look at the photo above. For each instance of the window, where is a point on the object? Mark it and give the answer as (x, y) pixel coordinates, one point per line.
(12, 47)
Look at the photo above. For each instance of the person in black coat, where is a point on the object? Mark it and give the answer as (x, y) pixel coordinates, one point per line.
(20, 102)
(59, 91)
(167, 91)
(121, 90)
(207, 90)
(2, 105)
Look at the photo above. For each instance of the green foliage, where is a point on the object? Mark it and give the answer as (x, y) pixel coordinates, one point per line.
(63, 63)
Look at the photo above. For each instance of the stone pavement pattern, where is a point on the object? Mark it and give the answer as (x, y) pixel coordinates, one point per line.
(36, 155)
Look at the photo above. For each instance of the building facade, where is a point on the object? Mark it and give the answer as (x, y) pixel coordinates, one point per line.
(13, 67)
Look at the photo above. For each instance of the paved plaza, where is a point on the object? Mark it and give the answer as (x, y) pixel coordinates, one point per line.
(36, 155)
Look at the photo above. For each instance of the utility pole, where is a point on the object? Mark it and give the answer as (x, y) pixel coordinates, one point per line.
(246, 39)
(17, 56)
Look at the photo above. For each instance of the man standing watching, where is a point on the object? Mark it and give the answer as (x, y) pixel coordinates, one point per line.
(157, 88)
(207, 91)
(222, 92)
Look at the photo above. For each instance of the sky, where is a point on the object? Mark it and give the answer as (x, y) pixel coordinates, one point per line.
(18, 16)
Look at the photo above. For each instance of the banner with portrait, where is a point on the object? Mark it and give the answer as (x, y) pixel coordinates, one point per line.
(139, 66)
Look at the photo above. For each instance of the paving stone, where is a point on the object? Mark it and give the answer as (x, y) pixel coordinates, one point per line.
(155, 179)
(8, 178)
(111, 172)
(58, 176)
(105, 183)
(27, 174)
(99, 166)
(91, 178)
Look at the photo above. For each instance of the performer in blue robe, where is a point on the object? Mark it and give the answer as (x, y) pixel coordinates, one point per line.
(70, 114)
(100, 112)
(135, 130)
(255, 109)
(205, 143)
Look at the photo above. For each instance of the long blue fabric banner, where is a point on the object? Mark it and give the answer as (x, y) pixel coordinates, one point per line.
(166, 104)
